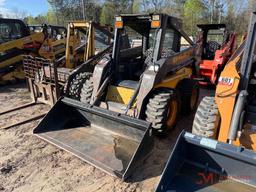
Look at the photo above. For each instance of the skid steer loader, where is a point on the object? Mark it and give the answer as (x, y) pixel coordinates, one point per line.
(140, 88)
(16, 40)
(216, 46)
(54, 45)
(47, 77)
(220, 155)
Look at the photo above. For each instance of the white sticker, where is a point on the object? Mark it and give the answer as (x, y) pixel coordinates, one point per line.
(190, 135)
(153, 68)
(208, 143)
(226, 81)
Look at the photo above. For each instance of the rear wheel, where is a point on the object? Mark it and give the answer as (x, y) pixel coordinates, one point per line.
(207, 119)
(189, 93)
(86, 91)
(76, 85)
(162, 110)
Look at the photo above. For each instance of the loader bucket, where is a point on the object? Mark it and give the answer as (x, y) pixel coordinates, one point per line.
(202, 164)
(110, 141)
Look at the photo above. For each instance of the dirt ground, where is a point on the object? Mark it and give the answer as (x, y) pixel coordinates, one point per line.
(30, 164)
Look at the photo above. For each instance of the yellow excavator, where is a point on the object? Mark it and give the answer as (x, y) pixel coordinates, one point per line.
(219, 154)
(16, 40)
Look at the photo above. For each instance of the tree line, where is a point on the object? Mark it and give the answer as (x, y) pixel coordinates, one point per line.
(234, 13)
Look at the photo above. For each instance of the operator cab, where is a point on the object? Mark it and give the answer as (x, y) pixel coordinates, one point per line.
(57, 32)
(212, 37)
(140, 42)
(54, 32)
(12, 29)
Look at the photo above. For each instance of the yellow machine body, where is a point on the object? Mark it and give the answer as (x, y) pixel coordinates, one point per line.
(52, 49)
(34, 43)
(119, 94)
(123, 95)
(73, 40)
(17, 58)
(172, 81)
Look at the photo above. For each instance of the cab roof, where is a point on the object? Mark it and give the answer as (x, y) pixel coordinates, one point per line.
(211, 26)
(147, 17)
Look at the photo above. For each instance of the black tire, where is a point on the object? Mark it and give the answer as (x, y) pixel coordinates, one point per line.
(86, 91)
(76, 85)
(189, 93)
(207, 119)
(159, 110)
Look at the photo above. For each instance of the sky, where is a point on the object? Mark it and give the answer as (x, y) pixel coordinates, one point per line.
(29, 7)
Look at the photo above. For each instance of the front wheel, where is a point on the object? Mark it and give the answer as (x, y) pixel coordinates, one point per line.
(86, 91)
(207, 119)
(162, 110)
(76, 85)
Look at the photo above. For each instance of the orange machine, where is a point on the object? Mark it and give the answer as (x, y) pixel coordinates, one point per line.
(219, 154)
(230, 116)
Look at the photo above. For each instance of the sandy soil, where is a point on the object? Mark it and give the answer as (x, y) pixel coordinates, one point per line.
(30, 164)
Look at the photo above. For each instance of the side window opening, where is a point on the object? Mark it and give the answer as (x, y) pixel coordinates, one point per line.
(214, 41)
(102, 41)
(4, 32)
(131, 58)
(215, 35)
(184, 44)
(10, 31)
(131, 38)
(170, 43)
(168, 39)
